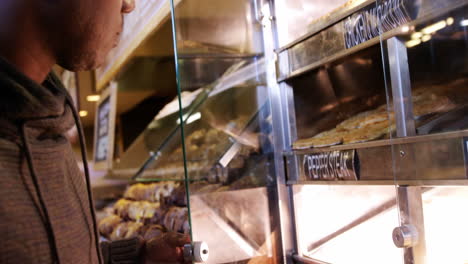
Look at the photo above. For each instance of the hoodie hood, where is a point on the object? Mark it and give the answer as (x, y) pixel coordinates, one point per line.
(30, 115)
(42, 106)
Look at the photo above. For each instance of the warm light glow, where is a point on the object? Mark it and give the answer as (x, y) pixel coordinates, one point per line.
(413, 43)
(464, 23)
(434, 27)
(417, 35)
(83, 113)
(426, 38)
(93, 98)
(190, 119)
(450, 21)
(405, 29)
(446, 231)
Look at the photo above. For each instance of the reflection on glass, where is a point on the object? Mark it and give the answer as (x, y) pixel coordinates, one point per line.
(226, 146)
(438, 61)
(297, 17)
(235, 225)
(334, 106)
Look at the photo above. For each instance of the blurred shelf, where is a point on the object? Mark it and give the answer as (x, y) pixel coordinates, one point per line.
(148, 17)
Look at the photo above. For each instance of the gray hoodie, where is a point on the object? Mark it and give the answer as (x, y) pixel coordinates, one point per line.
(46, 208)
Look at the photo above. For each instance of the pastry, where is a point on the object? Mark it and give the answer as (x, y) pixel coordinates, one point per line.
(121, 208)
(133, 229)
(151, 231)
(432, 104)
(107, 225)
(324, 139)
(367, 133)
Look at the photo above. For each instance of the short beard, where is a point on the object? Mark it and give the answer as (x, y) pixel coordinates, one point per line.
(80, 62)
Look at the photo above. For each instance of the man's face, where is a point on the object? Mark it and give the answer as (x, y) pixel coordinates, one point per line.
(82, 32)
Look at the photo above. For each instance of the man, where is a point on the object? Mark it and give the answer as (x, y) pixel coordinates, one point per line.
(46, 212)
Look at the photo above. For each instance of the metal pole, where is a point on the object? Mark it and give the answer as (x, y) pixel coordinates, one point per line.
(410, 234)
(281, 195)
(401, 87)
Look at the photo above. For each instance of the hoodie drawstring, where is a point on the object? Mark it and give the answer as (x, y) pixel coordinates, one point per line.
(86, 172)
(32, 171)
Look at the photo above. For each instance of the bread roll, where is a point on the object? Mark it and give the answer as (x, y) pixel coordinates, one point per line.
(107, 225)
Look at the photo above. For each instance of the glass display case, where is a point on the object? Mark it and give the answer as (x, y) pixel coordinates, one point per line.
(314, 131)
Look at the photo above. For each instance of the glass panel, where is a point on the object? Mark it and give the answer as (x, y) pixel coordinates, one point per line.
(296, 18)
(143, 159)
(341, 107)
(226, 142)
(427, 66)
(347, 224)
(438, 63)
(344, 126)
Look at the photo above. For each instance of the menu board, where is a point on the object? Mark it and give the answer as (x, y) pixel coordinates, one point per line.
(105, 128)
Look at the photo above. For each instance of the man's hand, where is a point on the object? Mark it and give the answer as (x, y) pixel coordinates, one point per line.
(167, 248)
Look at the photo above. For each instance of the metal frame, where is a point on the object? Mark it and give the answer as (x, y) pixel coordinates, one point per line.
(328, 32)
(401, 87)
(410, 206)
(409, 198)
(280, 193)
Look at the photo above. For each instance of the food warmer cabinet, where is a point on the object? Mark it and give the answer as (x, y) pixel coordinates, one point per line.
(373, 96)
(334, 133)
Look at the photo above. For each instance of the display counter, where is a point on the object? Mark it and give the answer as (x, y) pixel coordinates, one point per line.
(343, 140)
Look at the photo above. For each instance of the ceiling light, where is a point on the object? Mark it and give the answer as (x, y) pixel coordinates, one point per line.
(450, 21)
(417, 35)
(413, 43)
(434, 27)
(83, 113)
(464, 23)
(405, 29)
(426, 38)
(93, 98)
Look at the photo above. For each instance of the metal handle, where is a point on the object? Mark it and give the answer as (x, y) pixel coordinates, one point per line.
(405, 236)
(197, 252)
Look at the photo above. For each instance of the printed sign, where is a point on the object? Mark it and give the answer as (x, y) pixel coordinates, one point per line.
(376, 20)
(102, 139)
(105, 129)
(331, 166)
(465, 151)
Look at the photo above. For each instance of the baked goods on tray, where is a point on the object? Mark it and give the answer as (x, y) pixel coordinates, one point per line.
(139, 215)
(378, 123)
(324, 139)
(367, 133)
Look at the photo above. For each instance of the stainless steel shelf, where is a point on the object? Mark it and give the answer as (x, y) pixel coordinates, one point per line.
(386, 182)
(437, 159)
(385, 142)
(326, 42)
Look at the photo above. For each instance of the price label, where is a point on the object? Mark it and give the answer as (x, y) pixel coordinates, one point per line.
(377, 19)
(331, 166)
